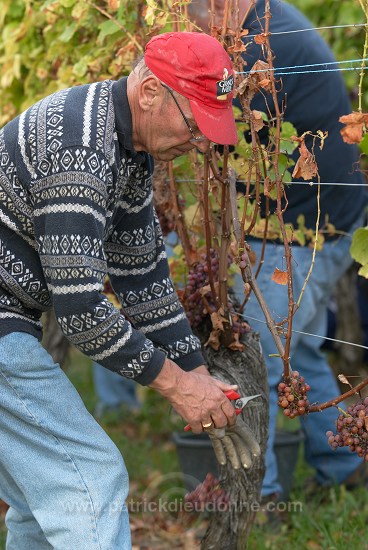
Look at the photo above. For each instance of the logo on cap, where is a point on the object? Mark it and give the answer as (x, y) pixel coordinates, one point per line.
(224, 86)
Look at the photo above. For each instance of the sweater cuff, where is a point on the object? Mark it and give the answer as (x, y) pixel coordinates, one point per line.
(153, 369)
(190, 362)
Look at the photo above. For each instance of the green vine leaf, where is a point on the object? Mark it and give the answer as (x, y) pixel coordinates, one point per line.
(286, 144)
(151, 12)
(106, 29)
(359, 249)
(68, 33)
(67, 3)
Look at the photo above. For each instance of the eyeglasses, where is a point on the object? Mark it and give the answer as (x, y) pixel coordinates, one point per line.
(195, 138)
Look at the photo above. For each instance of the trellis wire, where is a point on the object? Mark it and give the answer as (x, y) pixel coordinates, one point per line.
(277, 69)
(321, 71)
(357, 25)
(310, 183)
(308, 333)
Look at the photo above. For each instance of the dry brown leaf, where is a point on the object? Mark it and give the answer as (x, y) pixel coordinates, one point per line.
(205, 290)
(217, 321)
(355, 123)
(216, 31)
(239, 46)
(138, 523)
(260, 69)
(265, 83)
(190, 540)
(257, 120)
(235, 344)
(250, 84)
(214, 340)
(354, 118)
(260, 38)
(330, 229)
(353, 133)
(280, 277)
(267, 186)
(306, 166)
(344, 380)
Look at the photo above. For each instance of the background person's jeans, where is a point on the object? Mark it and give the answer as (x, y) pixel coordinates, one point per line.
(331, 263)
(114, 390)
(64, 479)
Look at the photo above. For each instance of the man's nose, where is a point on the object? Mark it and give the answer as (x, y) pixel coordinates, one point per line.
(203, 145)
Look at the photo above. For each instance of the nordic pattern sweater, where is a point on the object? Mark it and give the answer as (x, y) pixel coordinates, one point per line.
(76, 203)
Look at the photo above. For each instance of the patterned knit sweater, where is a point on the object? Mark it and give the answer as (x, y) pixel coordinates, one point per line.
(76, 203)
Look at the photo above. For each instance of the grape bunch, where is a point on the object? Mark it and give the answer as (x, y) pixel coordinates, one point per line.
(352, 429)
(293, 395)
(207, 496)
(197, 279)
(192, 297)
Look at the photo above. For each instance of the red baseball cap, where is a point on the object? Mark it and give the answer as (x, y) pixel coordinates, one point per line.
(197, 67)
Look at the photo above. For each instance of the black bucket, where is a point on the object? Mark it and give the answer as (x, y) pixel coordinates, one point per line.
(197, 458)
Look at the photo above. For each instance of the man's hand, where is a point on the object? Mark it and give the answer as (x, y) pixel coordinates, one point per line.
(236, 443)
(196, 396)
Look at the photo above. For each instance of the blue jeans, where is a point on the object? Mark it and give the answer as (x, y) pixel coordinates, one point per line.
(331, 263)
(64, 479)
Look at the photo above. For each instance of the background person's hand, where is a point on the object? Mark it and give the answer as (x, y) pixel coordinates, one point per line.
(235, 443)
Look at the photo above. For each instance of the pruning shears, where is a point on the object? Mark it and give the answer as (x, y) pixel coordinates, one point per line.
(239, 404)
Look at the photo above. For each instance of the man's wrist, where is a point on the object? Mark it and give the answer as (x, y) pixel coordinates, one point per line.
(202, 369)
(168, 378)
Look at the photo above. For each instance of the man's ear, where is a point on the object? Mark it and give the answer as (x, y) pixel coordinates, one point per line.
(150, 89)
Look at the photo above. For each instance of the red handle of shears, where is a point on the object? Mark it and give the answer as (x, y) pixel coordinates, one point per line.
(232, 395)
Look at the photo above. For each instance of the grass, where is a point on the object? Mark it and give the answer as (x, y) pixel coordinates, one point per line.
(332, 520)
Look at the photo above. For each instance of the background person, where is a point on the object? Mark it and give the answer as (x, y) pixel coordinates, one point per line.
(314, 101)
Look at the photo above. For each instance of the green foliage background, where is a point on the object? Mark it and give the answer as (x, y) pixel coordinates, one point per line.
(47, 45)
(346, 43)
(50, 45)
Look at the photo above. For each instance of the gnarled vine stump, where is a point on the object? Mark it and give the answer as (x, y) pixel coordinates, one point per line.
(229, 530)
